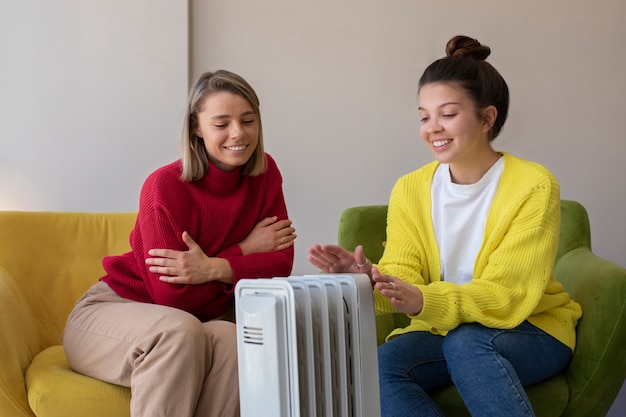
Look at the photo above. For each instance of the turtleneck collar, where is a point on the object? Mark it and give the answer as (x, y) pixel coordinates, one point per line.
(222, 181)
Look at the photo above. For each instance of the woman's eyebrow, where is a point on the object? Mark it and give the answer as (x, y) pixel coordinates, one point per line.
(442, 105)
(226, 116)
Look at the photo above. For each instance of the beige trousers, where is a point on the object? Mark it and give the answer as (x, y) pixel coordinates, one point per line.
(174, 364)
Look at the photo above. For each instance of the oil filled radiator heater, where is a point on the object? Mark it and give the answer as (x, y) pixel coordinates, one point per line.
(307, 346)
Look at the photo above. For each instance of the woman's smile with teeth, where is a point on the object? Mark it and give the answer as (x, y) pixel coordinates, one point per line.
(439, 143)
(236, 148)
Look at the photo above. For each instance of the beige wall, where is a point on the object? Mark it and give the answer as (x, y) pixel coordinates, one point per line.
(91, 96)
(337, 86)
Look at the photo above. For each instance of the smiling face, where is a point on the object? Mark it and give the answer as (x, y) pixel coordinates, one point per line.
(230, 129)
(452, 127)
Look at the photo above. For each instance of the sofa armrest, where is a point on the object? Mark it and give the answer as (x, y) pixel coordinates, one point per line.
(597, 370)
(20, 344)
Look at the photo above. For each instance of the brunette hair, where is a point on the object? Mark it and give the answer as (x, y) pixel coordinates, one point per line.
(465, 65)
(195, 160)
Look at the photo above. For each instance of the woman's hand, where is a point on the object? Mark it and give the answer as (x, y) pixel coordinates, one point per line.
(406, 298)
(334, 259)
(268, 235)
(192, 266)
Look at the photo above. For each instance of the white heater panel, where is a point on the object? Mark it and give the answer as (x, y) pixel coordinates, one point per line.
(306, 357)
(267, 353)
(324, 355)
(359, 300)
(338, 355)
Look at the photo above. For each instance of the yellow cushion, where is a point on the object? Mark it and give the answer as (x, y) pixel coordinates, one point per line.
(54, 390)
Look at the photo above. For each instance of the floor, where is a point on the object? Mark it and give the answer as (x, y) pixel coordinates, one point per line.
(618, 409)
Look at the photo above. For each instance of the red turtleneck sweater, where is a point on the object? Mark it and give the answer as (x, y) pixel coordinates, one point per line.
(218, 212)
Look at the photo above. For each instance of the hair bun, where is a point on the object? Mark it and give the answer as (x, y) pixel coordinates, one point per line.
(465, 46)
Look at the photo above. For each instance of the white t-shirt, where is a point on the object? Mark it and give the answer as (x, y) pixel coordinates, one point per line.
(459, 213)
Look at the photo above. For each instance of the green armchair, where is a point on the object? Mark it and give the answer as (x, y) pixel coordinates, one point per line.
(597, 370)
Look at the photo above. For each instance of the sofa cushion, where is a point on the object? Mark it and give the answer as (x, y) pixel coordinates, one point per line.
(54, 390)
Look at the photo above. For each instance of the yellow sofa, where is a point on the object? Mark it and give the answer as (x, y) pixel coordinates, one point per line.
(47, 261)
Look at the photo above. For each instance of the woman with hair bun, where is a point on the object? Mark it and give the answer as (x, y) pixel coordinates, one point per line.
(471, 243)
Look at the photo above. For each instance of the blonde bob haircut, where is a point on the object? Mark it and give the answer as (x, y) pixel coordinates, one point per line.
(195, 159)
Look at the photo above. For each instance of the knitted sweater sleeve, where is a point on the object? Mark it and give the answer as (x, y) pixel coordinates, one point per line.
(266, 264)
(513, 267)
(408, 254)
(163, 216)
(515, 263)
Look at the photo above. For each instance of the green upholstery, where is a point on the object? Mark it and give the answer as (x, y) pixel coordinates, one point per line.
(596, 373)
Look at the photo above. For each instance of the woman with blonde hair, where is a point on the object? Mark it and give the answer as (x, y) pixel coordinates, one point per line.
(160, 320)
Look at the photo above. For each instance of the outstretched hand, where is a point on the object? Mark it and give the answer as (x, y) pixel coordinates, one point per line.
(335, 259)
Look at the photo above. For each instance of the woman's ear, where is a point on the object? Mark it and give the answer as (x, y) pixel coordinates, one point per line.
(195, 128)
(490, 113)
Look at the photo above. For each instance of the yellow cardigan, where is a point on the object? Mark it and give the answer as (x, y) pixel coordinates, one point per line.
(513, 278)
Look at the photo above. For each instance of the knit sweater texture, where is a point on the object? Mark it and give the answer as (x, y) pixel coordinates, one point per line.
(512, 280)
(218, 211)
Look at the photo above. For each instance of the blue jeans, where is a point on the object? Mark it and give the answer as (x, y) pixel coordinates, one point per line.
(489, 367)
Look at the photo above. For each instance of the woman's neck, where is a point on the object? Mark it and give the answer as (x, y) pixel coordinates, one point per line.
(472, 171)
